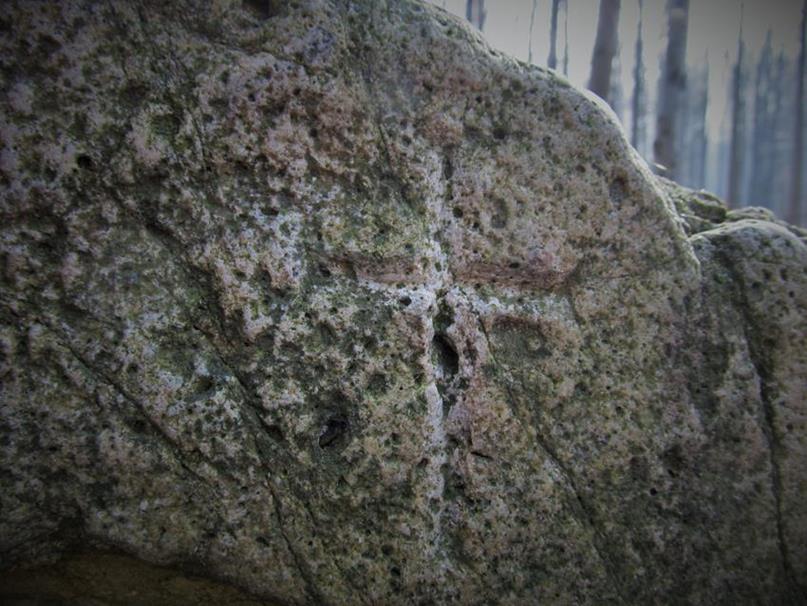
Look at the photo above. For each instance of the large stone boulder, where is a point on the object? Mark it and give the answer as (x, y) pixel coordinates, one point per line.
(329, 300)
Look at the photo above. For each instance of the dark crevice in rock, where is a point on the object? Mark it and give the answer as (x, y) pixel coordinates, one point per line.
(500, 215)
(447, 357)
(209, 312)
(710, 356)
(335, 429)
(350, 579)
(264, 9)
(446, 366)
(581, 510)
(766, 393)
(117, 387)
(618, 191)
(85, 162)
(448, 173)
(273, 431)
(760, 346)
(300, 563)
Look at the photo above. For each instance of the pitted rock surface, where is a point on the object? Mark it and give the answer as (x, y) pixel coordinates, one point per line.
(331, 301)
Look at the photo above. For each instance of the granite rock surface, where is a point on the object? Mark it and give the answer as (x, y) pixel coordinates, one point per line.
(328, 300)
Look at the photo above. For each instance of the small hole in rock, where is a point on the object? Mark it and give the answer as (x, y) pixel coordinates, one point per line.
(84, 161)
(447, 356)
(206, 383)
(334, 429)
(377, 383)
(274, 432)
(264, 9)
(618, 190)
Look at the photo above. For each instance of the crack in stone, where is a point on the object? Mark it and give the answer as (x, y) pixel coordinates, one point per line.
(349, 578)
(769, 431)
(583, 512)
(438, 461)
(119, 389)
(103, 378)
(762, 373)
(173, 245)
(436, 417)
(305, 572)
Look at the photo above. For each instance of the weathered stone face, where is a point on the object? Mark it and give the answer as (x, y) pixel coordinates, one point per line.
(331, 301)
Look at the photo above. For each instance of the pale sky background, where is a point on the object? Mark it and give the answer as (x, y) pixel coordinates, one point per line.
(712, 37)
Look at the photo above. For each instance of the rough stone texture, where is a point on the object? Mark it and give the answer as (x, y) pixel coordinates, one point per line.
(331, 301)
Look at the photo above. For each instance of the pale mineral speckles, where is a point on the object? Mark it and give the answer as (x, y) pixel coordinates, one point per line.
(255, 322)
(288, 396)
(36, 340)
(283, 261)
(9, 162)
(20, 98)
(60, 156)
(151, 148)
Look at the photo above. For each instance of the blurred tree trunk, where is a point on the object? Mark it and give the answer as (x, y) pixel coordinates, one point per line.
(794, 208)
(604, 48)
(672, 86)
(682, 135)
(552, 62)
(763, 132)
(565, 37)
(616, 94)
(700, 135)
(737, 126)
(639, 103)
(475, 13)
(692, 143)
(532, 23)
(781, 138)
